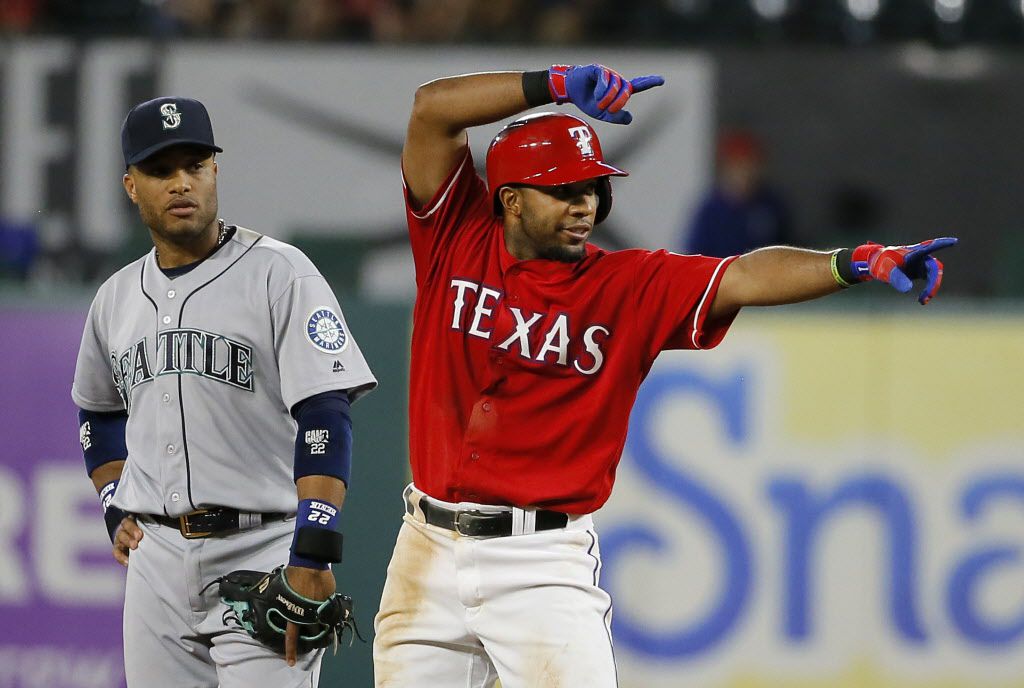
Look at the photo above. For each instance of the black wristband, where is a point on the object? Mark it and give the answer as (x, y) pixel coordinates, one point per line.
(318, 544)
(535, 88)
(112, 517)
(844, 267)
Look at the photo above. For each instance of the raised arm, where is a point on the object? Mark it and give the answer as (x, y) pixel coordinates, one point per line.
(442, 111)
(779, 274)
(445, 108)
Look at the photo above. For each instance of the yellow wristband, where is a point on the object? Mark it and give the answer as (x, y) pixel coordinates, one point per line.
(835, 270)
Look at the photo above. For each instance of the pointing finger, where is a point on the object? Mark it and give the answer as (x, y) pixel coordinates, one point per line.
(642, 83)
(291, 641)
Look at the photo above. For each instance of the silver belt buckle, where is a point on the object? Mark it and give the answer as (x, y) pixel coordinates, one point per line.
(458, 521)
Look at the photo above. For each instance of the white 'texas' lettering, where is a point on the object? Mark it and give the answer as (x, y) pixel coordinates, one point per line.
(460, 299)
(554, 337)
(482, 309)
(593, 349)
(522, 332)
(559, 329)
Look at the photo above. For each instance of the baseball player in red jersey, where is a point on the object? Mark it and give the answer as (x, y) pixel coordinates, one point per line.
(528, 347)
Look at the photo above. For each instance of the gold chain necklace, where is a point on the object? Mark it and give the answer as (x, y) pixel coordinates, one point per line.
(222, 235)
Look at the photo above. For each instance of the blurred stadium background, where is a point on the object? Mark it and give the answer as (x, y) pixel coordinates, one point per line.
(833, 498)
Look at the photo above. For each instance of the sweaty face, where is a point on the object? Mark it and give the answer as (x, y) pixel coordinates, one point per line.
(555, 221)
(176, 192)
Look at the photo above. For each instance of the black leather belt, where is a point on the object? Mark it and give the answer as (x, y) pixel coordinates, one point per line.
(207, 522)
(474, 523)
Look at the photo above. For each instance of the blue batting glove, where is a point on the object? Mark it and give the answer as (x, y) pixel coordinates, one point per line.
(900, 265)
(597, 91)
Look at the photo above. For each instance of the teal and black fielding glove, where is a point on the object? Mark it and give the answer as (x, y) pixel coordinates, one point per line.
(262, 604)
(896, 265)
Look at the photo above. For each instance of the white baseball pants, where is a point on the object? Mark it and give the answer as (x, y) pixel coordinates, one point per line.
(174, 636)
(461, 612)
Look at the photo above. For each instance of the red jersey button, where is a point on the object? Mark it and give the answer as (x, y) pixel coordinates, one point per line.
(474, 456)
(486, 407)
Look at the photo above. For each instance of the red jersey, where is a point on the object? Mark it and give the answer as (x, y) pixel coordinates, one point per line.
(524, 372)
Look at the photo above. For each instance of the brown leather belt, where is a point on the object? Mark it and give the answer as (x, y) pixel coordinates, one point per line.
(207, 522)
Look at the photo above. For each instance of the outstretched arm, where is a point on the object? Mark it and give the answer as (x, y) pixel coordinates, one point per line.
(445, 108)
(773, 276)
(779, 274)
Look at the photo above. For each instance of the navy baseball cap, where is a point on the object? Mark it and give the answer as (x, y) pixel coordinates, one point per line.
(163, 122)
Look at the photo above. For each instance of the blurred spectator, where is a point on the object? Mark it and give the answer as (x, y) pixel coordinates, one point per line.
(742, 212)
(505, 21)
(19, 248)
(382, 21)
(183, 17)
(500, 21)
(254, 19)
(562, 21)
(18, 16)
(437, 21)
(87, 18)
(556, 22)
(303, 20)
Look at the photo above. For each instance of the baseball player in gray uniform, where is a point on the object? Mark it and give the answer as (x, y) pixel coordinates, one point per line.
(213, 381)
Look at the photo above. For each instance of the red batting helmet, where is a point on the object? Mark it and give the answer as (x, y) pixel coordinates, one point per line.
(549, 149)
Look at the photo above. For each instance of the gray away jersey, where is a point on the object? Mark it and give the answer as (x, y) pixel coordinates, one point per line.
(208, 366)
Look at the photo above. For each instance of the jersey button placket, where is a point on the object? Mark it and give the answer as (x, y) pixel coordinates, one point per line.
(166, 320)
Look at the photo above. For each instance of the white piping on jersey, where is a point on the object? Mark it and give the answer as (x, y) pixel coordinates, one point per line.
(700, 306)
(440, 201)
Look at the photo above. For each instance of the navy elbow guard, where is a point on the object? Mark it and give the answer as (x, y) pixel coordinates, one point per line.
(323, 443)
(102, 437)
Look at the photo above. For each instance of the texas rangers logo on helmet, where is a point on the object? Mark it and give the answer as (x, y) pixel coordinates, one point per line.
(325, 331)
(583, 135)
(171, 116)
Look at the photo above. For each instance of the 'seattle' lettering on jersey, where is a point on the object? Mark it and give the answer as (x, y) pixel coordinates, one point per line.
(209, 365)
(183, 350)
(523, 373)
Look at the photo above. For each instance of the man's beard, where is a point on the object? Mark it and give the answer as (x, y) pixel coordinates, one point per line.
(564, 254)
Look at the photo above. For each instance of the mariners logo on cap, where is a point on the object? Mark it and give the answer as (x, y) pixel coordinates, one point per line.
(171, 116)
(325, 331)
